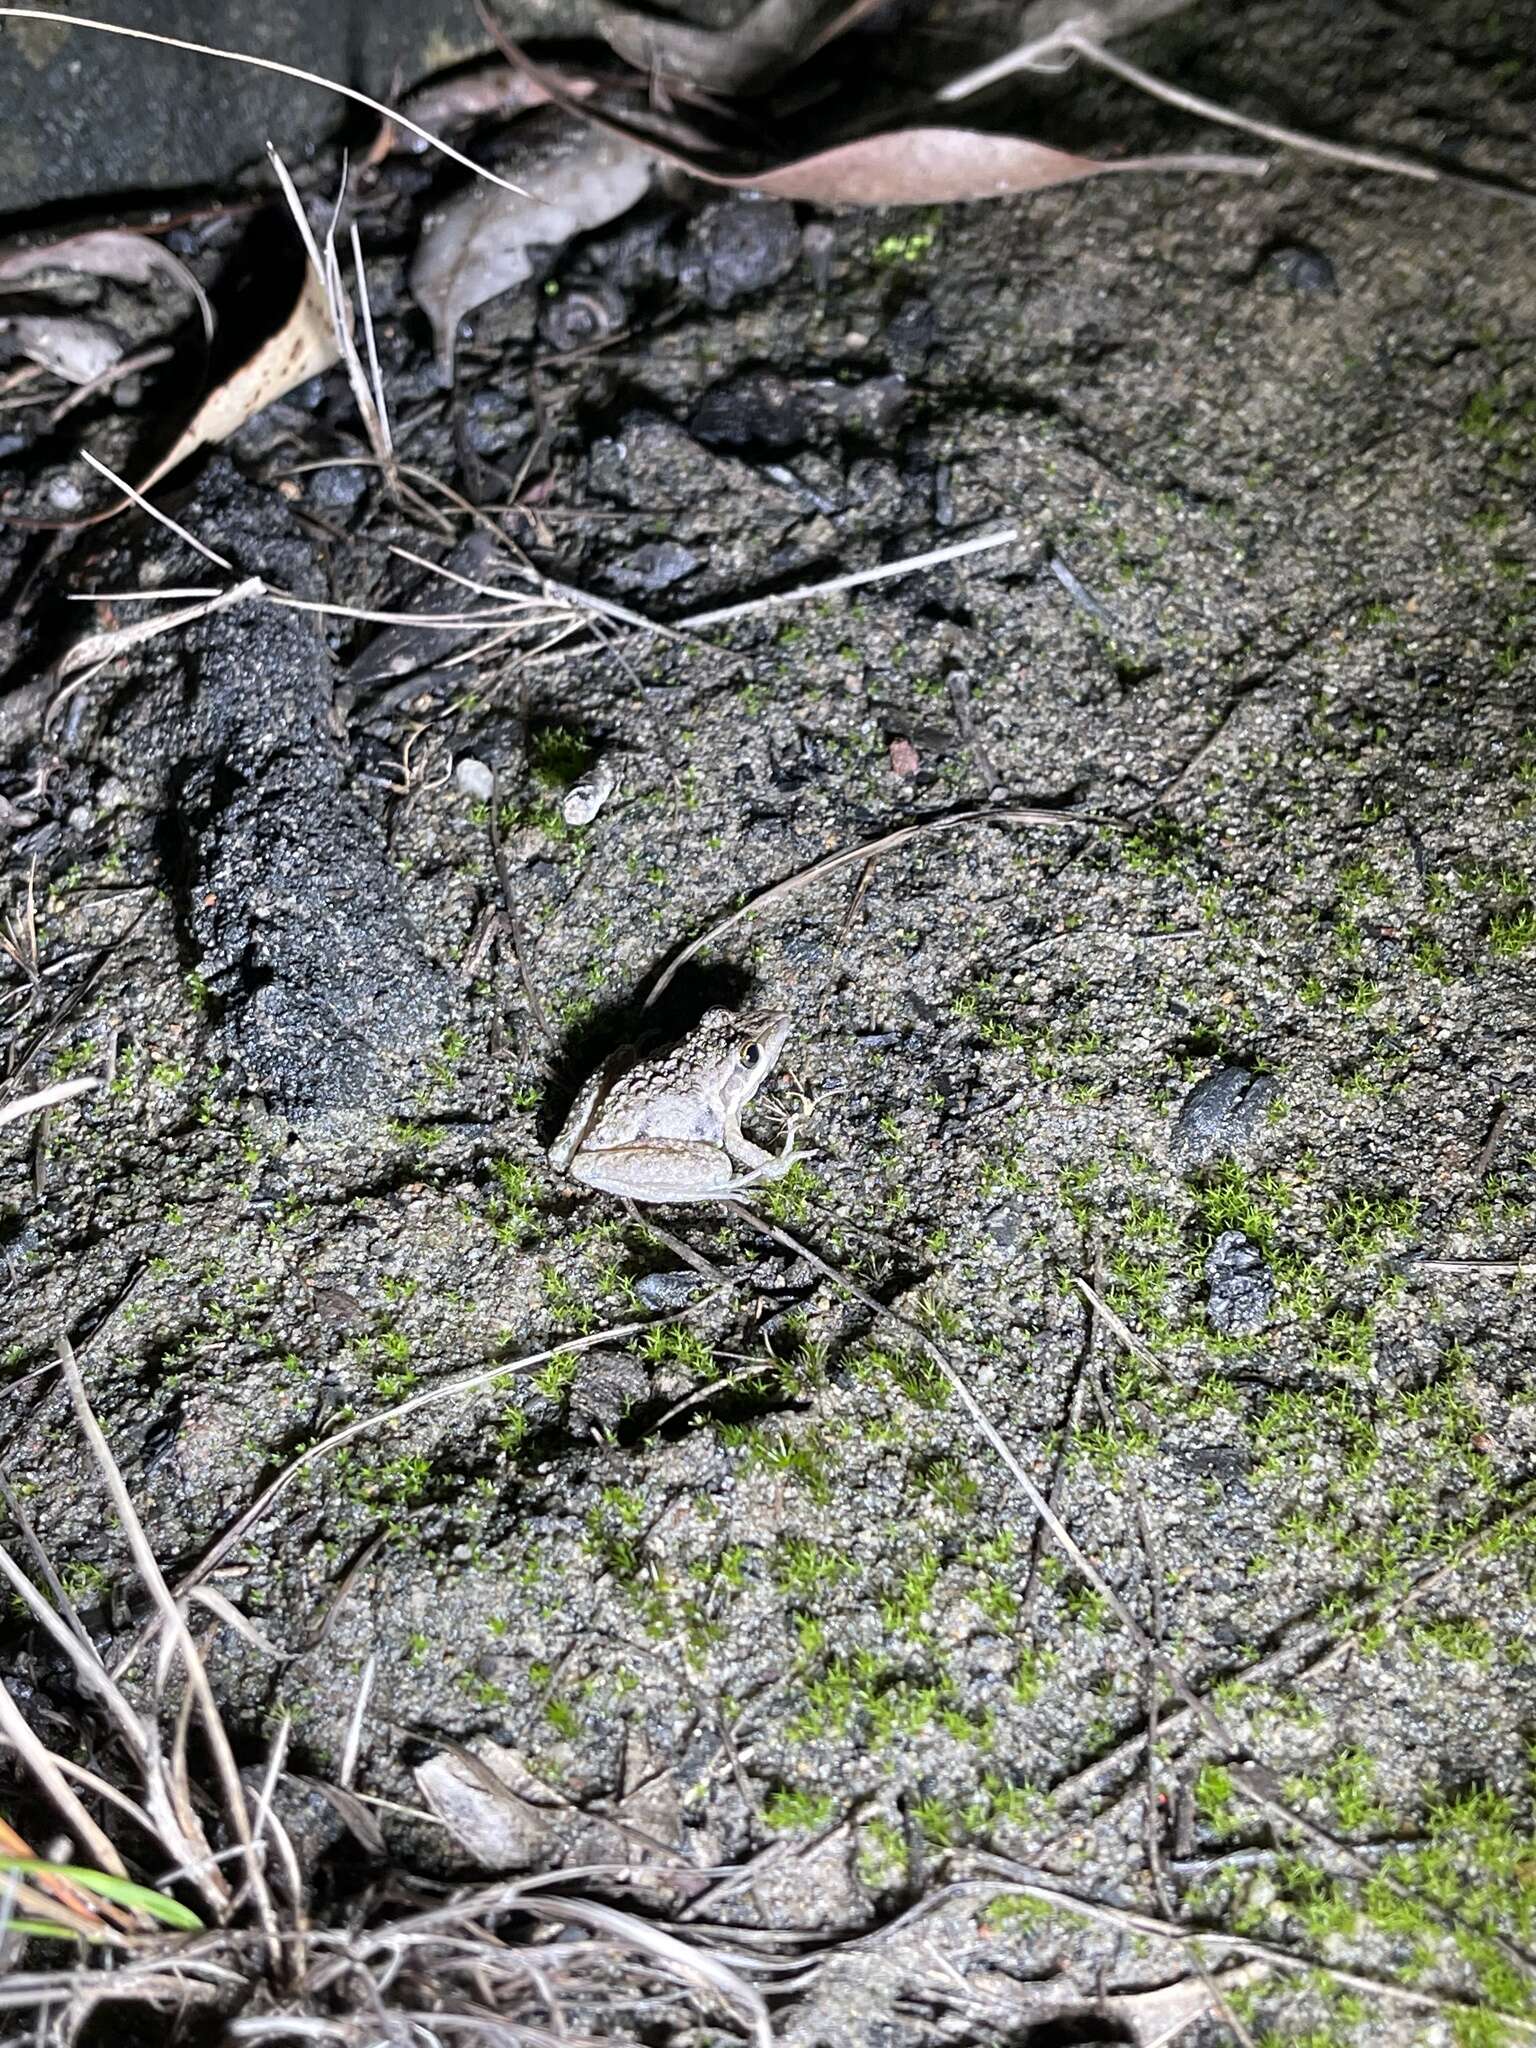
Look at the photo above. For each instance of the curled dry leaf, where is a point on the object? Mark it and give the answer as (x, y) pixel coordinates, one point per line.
(116, 253)
(302, 347)
(769, 41)
(478, 244)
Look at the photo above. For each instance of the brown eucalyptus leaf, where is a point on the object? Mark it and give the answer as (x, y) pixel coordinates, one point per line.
(477, 245)
(302, 347)
(116, 253)
(923, 167)
(771, 39)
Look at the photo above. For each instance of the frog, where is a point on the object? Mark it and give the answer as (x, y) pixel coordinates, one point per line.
(665, 1126)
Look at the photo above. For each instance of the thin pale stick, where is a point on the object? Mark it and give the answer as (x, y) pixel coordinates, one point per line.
(40, 1762)
(148, 1567)
(1256, 1785)
(97, 649)
(354, 1741)
(144, 596)
(376, 374)
(460, 1384)
(854, 580)
(1133, 1920)
(868, 849)
(1496, 1269)
(1111, 1321)
(138, 498)
(47, 1098)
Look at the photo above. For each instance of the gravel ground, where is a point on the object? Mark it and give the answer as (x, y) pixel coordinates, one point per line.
(1189, 1132)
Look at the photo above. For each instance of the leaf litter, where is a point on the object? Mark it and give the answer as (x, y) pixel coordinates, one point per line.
(479, 242)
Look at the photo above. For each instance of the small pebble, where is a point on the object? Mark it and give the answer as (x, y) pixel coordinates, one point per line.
(910, 335)
(607, 1385)
(757, 409)
(669, 1290)
(64, 494)
(819, 242)
(473, 778)
(903, 757)
(337, 490)
(656, 566)
(1302, 267)
(586, 797)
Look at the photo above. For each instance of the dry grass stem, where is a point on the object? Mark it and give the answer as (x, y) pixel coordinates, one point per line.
(854, 580)
(164, 518)
(48, 1098)
(866, 850)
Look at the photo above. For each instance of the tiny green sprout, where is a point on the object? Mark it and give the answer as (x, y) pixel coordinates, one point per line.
(1216, 1797)
(554, 1379)
(893, 250)
(938, 1821)
(563, 1719)
(1362, 1226)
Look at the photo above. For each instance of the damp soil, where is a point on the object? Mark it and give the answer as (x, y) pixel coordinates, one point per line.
(1243, 1047)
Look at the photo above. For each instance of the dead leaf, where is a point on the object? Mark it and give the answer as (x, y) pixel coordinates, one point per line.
(929, 167)
(302, 347)
(771, 39)
(477, 245)
(80, 351)
(116, 253)
(506, 1819)
(493, 88)
(351, 1811)
(907, 167)
(1154, 2019)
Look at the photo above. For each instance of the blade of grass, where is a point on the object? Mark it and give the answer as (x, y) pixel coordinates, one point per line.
(121, 1891)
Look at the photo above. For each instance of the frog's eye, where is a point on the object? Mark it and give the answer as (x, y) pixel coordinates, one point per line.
(751, 1053)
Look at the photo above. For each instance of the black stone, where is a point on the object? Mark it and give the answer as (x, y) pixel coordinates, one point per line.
(1241, 1290)
(738, 246)
(1222, 1115)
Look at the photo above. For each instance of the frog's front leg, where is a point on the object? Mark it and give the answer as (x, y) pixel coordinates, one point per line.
(755, 1165)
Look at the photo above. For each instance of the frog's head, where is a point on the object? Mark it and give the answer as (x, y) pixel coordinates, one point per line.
(744, 1046)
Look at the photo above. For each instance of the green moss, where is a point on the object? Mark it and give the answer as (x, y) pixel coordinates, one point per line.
(786, 1810)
